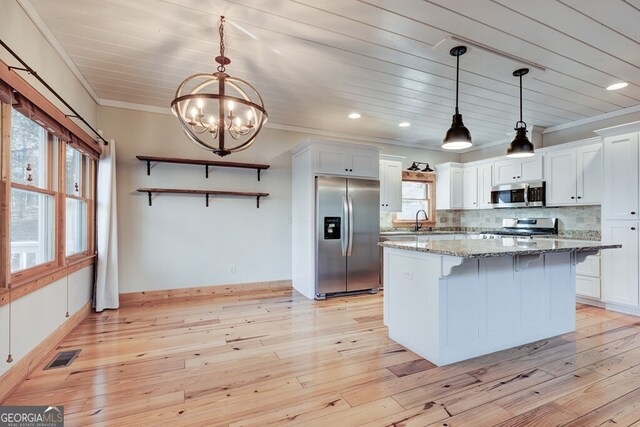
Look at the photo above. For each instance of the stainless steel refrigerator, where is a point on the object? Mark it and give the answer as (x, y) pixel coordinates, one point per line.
(347, 233)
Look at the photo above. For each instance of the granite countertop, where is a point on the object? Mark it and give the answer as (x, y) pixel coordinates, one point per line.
(480, 248)
(563, 234)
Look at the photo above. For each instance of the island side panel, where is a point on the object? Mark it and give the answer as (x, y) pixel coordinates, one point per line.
(411, 304)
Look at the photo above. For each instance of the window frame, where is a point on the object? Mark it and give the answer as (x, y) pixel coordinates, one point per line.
(86, 193)
(35, 277)
(427, 177)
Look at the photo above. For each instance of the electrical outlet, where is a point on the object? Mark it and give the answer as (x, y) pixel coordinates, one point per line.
(232, 269)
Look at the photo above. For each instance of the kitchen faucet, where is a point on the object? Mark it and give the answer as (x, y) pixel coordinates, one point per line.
(426, 217)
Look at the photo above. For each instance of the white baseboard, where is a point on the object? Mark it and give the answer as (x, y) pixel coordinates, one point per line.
(620, 308)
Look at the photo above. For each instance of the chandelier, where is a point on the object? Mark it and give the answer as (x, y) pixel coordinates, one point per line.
(220, 113)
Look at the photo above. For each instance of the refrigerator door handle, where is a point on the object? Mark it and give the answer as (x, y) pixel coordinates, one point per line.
(346, 225)
(350, 244)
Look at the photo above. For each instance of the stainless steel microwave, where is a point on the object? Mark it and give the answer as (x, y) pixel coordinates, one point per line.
(520, 195)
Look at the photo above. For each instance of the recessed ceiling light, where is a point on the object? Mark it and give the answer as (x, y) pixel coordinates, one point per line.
(404, 124)
(354, 116)
(617, 86)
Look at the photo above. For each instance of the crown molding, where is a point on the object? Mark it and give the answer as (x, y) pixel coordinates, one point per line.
(33, 15)
(134, 106)
(603, 116)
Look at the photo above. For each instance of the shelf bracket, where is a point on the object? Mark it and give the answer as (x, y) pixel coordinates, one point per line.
(258, 175)
(207, 202)
(206, 172)
(149, 194)
(148, 167)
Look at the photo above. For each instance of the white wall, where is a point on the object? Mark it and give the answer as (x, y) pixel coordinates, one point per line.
(178, 242)
(38, 314)
(23, 37)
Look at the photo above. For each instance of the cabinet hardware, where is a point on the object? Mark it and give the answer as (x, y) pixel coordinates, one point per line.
(350, 170)
(579, 197)
(633, 213)
(633, 228)
(572, 197)
(518, 176)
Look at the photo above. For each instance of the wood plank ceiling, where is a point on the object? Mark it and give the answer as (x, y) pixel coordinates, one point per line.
(314, 61)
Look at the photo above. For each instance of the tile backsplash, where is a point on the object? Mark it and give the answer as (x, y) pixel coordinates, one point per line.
(570, 218)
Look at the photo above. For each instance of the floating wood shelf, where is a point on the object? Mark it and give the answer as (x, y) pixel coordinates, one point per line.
(206, 163)
(207, 193)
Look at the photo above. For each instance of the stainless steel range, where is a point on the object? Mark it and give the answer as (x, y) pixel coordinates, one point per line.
(526, 228)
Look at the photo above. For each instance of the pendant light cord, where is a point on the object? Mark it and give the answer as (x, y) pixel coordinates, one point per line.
(521, 98)
(457, 79)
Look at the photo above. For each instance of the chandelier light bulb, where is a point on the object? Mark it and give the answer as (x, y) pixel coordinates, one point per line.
(249, 116)
(200, 103)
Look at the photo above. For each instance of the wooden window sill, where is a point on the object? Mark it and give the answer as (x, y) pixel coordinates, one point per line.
(38, 280)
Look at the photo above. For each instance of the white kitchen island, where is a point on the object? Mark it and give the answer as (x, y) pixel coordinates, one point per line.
(452, 300)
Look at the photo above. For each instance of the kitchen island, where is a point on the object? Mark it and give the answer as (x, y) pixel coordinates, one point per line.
(451, 300)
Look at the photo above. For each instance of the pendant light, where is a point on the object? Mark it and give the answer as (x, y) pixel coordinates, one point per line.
(520, 146)
(215, 109)
(458, 136)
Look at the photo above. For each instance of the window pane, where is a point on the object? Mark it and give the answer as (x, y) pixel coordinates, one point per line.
(414, 190)
(28, 155)
(32, 229)
(410, 208)
(74, 171)
(76, 226)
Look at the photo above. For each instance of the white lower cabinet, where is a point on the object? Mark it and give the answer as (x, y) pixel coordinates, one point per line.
(620, 266)
(588, 278)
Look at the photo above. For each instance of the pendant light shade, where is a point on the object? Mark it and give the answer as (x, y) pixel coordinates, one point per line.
(520, 146)
(458, 136)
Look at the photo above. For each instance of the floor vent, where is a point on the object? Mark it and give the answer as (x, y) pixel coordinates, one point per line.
(63, 359)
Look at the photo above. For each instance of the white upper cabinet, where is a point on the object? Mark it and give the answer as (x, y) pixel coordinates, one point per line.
(620, 198)
(449, 186)
(589, 174)
(470, 187)
(507, 171)
(485, 182)
(346, 160)
(390, 184)
(574, 176)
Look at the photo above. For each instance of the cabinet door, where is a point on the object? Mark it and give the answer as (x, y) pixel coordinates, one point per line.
(529, 169)
(332, 161)
(470, 188)
(620, 197)
(589, 174)
(504, 171)
(363, 163)
(390, 186)
(485, 181)
(457, 188)
(620, 266)
(560, 175)
(587, 286)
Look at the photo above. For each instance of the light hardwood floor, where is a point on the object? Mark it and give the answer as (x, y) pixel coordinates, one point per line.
(274, 357)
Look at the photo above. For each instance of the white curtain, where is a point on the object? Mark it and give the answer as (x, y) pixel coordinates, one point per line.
(106, 286)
